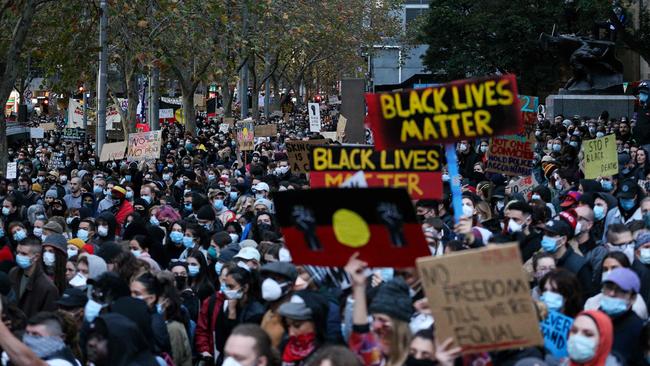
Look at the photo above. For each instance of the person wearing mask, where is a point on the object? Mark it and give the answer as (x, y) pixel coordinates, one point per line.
(86, 230)
(277, 287)
(55, 255)
(121, 207)
(261, 190)
(561, 292)
(248, 258)
(619, 290)
(590, 340)
(190, 299)
(207, 219)
(585, 242)
(629, 197)
(174, 247)
(603, 202)
(641, 263)
(518, 222)
(424, 352)
(106, 229)
(34, 290)
(386, 340)
(543, 263)
(11, 211)
(306, 316)
(557, 234)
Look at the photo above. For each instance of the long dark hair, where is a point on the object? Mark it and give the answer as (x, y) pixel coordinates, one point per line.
(567, 285)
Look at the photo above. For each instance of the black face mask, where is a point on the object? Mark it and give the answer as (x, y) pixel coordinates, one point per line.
(265, 227)
(181, 282)
(412, 361)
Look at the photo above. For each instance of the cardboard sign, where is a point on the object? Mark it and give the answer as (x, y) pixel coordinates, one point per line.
(224, 128)
(12, 170)
(229, 121)
(167, 113)
(113, 151)
(266, 130)
(600, 157)
(325, 227)
(417, 170)
(511, 155)
(481, 299)
(524, 185)
(340, 128)
(555, 329)
(36, 133)
(298, 154)
(245, 136)
(74, 134)
(144, 145)
(461, 110)
(50, 126)
(314, 117)
(331, 135)
(75, 114)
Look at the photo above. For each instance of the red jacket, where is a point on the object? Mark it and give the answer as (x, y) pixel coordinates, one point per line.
(125, 210)
(204, 336)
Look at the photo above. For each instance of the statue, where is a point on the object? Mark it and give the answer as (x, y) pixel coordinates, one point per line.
(593, 62)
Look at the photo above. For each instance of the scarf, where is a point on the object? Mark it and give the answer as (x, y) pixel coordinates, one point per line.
(299, 347)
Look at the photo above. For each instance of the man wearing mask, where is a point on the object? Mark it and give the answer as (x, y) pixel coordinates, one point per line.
(73, 199)
(277, 288)
(619, 291)
(629, 195)
(517, 226)
(557, 234)
(34, 290)
(641, 264)
(641, 131)
(466, 158)
(261, 190)
(590, 249)
(121, 207)
(25, 188)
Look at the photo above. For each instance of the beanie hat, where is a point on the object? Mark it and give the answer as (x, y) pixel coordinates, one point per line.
(118, 192)
(77, 243)
(642, 239)
(37, 188)
(52, 193)
(53, 226)
(206, 213)
(248, 243)
(57, 241)
(393, 299)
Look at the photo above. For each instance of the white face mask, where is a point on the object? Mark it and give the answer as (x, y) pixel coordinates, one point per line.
(78, 280)
(514, 227)
(468, 211)
(49, 259)
(271, 290)
(102, 230)
(230, 362)
(234, 238)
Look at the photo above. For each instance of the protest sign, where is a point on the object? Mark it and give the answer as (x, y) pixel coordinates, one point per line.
(314, 117)
(166, 113)
(245, 135)
(481, 299)
(340, 128)
(75, 114)
(555, 329)
(266, 130)
(50, 126)
(600, 157)
(329, 135)
(144, 145)
(512, 155)
(356, 180)
(229, 121)
(224, 127)
(298, 154)
(74, 134)
(57, 161)
(36, 133)
(523, 185)
(12, 170)
(325, 227)
(417, 170)
(461, 110)
(113, 151)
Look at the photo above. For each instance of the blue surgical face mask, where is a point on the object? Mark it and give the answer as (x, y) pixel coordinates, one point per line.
(217, 269)
(557, 147)
(188, 242)
(136, 253)
(599, 212)
(176, 237)
(643, 97)
(160, 309)
(154, 221)
(580, 348)
(97, 189)
(613, 305)
(129, 195)
(212, 253)
(607, 185)
(233, 196)
(627, 203)
(188, 207)
(6, 211)
(218, 204)
(644, 255)
(127, 178)
(20, 235)
(553, 300)
(23, 261)
(82, 234)
(211, 177)
(549, 244)
(193, 270)
(574, 143)
(147, 199)
(92, 310)
(223, 288)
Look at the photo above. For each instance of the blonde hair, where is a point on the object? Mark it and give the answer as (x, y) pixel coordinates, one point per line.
(400, 339)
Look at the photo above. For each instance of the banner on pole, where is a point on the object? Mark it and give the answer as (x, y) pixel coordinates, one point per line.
(460, 110)
(417, 170)
(144, 145)
(74, 134)
(481, 299)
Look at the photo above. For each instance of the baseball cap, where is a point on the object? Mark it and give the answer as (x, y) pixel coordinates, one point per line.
(73, 298)
(627, 189)
(295, 309)
(118, 192)
(285, 269)
(624, 278)
(248, 253)
(261, 186)
(570, 199)
(558, 227)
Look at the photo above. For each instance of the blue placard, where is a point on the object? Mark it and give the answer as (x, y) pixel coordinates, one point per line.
(555, 329)
(454, 181)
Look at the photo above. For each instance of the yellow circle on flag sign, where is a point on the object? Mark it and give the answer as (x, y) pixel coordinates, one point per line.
(350, 228)
(179, 116)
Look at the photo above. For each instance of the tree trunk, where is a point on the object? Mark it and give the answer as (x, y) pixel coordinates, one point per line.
(188, 109)
(10, 72)
(227, 96)
(276, 106)
(132, 96)
(255, 91)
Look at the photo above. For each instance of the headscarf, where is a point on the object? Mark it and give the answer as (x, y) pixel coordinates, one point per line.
(606, 338)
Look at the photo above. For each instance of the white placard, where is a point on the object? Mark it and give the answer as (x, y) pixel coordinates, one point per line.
(314, 117)
(12, 170)
(36, 133)
(166, 113)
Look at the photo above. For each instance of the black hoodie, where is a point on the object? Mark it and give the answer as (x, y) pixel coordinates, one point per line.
(126, 344)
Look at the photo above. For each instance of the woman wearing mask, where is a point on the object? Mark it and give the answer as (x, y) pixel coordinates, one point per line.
(55, 258)
(105, 229)
(234, 230)
(543, 263)
(263, 222)
(88, 201)
(612, 261)
(18, 232)
(174, 240)
(603, 202)
(194, 238)
(198, 275)
(561, 292)
(389, 334)
(590, 341)
(188, 296)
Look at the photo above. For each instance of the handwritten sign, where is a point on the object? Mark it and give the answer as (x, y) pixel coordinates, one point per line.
(12, 170)
(245, 135)
(523, 185)
(510, 156)
(481, 299)
(600, 157)
(464, 109)
(340, 128)
(555, 329)
(325, 226)
(144, 145)
(50, 126)
(266, 130)
(417, 170)
(314, 117)
(298, 154)
(57, 161)
(74, 134)
(113, 151)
